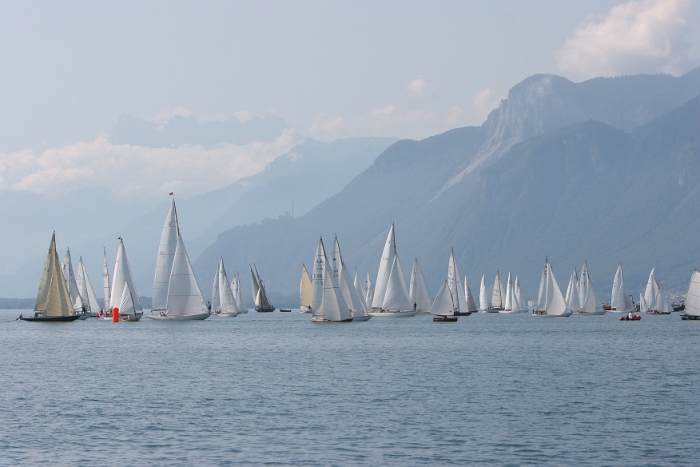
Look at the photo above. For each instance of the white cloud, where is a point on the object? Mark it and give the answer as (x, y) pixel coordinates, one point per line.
(634, 37)
(417, 86)
(484, 103)
(167, 114)
(243, 115)
(136, 171)
(385, 121)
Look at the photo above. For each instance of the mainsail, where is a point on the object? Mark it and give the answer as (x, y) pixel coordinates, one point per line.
(53, 298)
(444, 302)
(396, 294)
(164, 260)
(620, 300)
(483, 294)
(184, 295)
(123, 283)
(67, 266)
(572, 298)
(550, 300)
(418, 290)
(304, 288)
(692, 300)
(497, 294)
(332, 306)
(590, 303)
(455, 284)
(471, 304)
(347, 289)
(385, 265)
(85, 288)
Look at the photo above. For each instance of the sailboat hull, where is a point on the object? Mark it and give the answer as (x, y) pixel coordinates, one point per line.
(225, 315)
(462, 313)
(394, 314)
(445, 319)
(564, 315)
(197, 317)
(50, 319)
(318, 319)
(361, 318)
(265, 309)
(493, 310)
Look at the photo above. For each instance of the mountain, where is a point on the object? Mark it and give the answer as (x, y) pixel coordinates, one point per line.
(188, 130)
(423, 186)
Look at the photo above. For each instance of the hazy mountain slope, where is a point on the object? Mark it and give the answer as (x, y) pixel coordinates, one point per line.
(413, 184)
(587, 192)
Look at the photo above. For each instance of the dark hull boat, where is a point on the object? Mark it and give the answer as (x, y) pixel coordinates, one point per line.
(265, 309)
(49, 319)
(285, 310)
(445, 319)
(462, 313)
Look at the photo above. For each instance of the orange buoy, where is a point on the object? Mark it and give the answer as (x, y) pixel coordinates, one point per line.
(115, 315)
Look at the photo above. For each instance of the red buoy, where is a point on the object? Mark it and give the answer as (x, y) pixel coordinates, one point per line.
(115, 315)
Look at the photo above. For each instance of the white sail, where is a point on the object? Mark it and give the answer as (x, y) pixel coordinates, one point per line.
(582, 284)
(519, 295)
(385, 265)
(368, 290)
(123, 279)
(347, 289)
(550, 301)
(126, 304)
(255, 287)
(396, 294)
(455, 284)
(53, 298)
(471, 304)
(443, 305)
(572, 299)
(660, 302)
(164, 260)
(106, 288)
(692, 300)
(305, 288)
(509, 295)
(317, 276)
(184, 295)
(620, 300)
(215, 296)
(649, 291)
(332, 306)
(590, 304)
(86, 290)
(238, 294)
(67, 266)
(358, 287)
(227, 303)
(497, 293)
(643, 307)
(483, 294)
(418, 290)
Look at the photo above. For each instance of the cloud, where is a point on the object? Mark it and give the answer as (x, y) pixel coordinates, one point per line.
(417, 86)
(243, 115)
(167, 114)
(634, 37)
(484, 103)
(137, 171)
(389, 120)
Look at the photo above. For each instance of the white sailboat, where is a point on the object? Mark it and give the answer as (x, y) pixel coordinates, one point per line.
(583, 285)
(358, 287)
(572, 298)
(86, 291)
(519, 296)
(305, 291)
(649, 291)
(659, 304)
(368, 290)
(222, 295)
(79, 305)
(331, 304)
(418, 290)
(620, 300)
(53, 301)
(176, 293)
(106, 288)
(391, 295)
(484, 296)
(443, 307)
(643, 307)
(262, 304)
(471, 304)
(237, 291)
(692, 300)
(455, 285)
(511, 304)
(347, 289)
(125, 299)
(497, 294)
(590, 303)
(550, 301)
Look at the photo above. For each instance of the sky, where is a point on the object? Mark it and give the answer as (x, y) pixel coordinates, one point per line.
(330, 69)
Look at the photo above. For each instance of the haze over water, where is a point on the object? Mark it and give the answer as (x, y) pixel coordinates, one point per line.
(275, 388)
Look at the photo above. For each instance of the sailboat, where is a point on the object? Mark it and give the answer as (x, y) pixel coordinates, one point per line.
(305, 291)
(262, 304)
(443, 306)
(620, 300)
(391, 295)
(86, 291)
(659, 305)
(484, 297)
(462, 307)
(358, 287)
(222, 296)
(497, 295)
(550, 301)
(125, 299)
(471, 304)
(237, 291)
(328, 303)
(53, 302)
(590, 303)
(512, 305)
(347, 288)
(692, 300)
(649, 291)
(176, 293)
(572, 299)
(79, 305)
(368, 290)
(418, 290)
(519, 296)
(106, 311)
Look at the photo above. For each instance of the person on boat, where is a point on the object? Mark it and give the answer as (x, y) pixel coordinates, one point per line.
(209, 306)
(415, 306)
(630, 315)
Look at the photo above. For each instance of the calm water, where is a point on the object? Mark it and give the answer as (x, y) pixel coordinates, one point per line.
(277, 389)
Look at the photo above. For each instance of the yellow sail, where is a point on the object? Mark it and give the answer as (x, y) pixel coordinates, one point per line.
(52, 298)
(305, 288)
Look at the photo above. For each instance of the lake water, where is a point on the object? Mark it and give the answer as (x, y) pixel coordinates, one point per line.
(276, 389)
